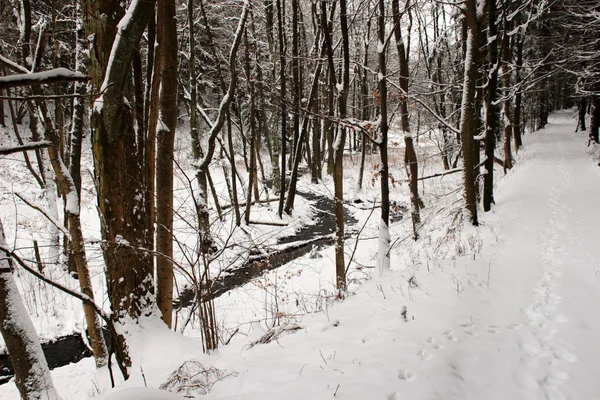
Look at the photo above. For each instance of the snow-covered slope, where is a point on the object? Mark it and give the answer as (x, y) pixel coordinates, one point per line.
(516, 322)
(512, 319)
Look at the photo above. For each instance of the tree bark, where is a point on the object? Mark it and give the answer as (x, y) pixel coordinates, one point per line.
(120, 180)
(467, 125)
(282, 83)
(492, 122)
(410, 156)
(383, 252)
(338, 176)
(167, 29)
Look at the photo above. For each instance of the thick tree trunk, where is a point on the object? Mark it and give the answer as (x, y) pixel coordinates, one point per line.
(120, 179)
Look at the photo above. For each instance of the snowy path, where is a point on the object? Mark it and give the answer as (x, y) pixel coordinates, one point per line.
(517, 322)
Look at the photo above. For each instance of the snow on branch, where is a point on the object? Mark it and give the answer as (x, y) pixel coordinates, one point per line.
(24, 147)
(40, 78)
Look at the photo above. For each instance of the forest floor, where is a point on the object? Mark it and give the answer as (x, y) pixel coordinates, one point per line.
(511, 316)
(516, 321)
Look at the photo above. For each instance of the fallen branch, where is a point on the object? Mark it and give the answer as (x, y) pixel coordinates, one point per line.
(275, 333)
(268, 223)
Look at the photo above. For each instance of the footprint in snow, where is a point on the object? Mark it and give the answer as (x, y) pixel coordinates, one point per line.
(405, 375)
(450, 336)
(471, 332)
(514, 326)
(394, 396)
(555, 377)
(493, 329)
(466, 325)
(565, 355)
(425, 355)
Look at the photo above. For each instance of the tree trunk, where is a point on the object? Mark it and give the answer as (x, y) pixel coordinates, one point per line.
(492, 122)
(252, 173)
(410, 156)
(120, 180)
(467, 126)
(167, 31)
(594, 119)
(338, 177)
(582, 112)
(282, 62)
(518, 96)
(383, 252)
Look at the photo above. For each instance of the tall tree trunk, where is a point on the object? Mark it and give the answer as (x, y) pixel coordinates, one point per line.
(252, 173)
(338, 148)
(467, 125)
(282, 62)
(365, 105)
(119, 178)
(492, 122)
(518, 95)
(410, 156)
(383, 251)
(582, 111)
(167, 29)
(594, 119)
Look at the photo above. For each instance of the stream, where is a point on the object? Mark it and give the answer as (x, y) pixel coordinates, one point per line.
(71, 348)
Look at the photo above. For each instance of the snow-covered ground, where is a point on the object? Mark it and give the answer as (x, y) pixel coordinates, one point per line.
(503, 311)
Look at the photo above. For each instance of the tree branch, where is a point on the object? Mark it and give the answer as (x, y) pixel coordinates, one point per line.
(24, 147)
(40, 78)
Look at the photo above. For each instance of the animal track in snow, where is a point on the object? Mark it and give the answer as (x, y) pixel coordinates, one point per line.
(394, 396)
(425, 355)
(450, 336)
(565, 355)
(405, 375)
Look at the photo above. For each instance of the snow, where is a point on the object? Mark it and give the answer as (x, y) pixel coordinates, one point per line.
(72, 200)
(502, 311)
(43, 76)
(141, 393)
